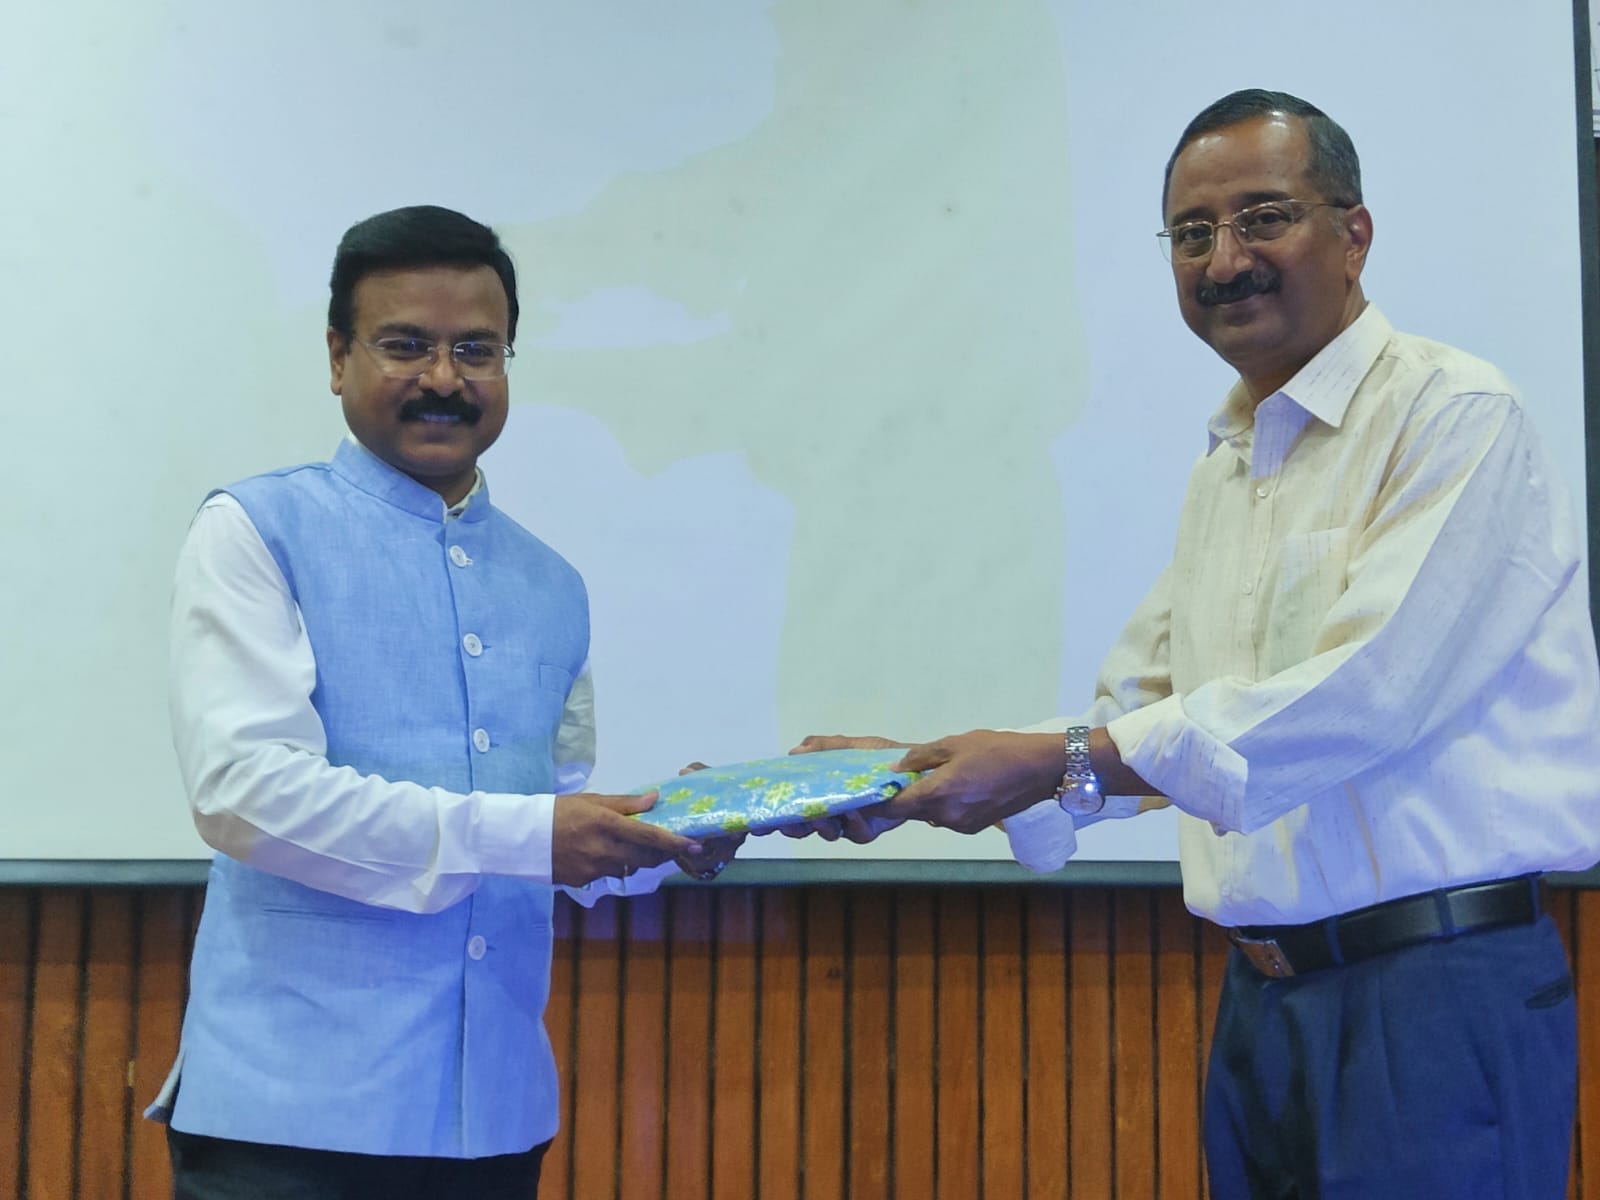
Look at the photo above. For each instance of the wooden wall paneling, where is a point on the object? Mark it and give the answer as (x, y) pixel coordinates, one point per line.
(55, 1046)
(1054, 1038)
(106, 1071)
(597, 1066)
(560, 1015)
(1560, 906)
(1584, 949)
(1133, 1062)
(869, 1048)
(163, 918)
(823, 1134)
(916, 1075)
(735, 1108)
(1048, 1040)
(1091, 1149)
(1561, 909)
(641, 1160)
(18, 909)
(779, 1043)
(688, 1131)
(1004, 1065)
(1178, 1041)
(959, 1038)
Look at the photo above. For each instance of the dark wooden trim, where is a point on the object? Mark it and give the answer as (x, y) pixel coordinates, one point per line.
(757, 873)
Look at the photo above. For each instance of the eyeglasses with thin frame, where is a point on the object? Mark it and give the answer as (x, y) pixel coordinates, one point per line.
(413, 357)
(1191, 241)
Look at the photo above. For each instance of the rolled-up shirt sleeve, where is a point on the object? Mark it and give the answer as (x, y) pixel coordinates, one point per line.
(1447, 581)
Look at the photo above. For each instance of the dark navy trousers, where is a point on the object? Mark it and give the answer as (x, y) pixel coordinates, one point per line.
(1441, 1071)
(205, 1168)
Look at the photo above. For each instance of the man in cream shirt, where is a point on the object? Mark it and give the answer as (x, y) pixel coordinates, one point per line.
(1368, 680)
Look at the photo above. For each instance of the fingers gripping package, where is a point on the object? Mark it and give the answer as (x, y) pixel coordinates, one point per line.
(754, 797)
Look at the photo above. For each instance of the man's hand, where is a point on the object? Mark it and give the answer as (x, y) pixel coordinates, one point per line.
(975, 779)
(861, 825)
(714, 853)
(593, 838)
(838, 741)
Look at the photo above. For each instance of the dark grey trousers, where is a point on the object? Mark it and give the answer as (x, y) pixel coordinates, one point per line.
(206, 1168)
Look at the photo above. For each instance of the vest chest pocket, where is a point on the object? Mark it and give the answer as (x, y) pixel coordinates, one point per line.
(548, 698)
(555, 679)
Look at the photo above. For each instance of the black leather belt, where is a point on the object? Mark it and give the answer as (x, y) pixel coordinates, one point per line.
(1279, 951)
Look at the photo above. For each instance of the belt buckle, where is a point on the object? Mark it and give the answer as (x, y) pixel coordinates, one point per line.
(1264, 954)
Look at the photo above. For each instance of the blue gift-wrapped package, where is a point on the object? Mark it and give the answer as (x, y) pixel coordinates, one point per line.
(753, 797)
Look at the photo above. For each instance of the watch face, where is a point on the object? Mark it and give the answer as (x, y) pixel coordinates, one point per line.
(1081, 796)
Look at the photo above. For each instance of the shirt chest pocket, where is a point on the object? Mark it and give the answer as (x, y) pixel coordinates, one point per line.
(1312, 573)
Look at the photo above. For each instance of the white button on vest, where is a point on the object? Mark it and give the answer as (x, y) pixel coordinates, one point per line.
(480, 739)
(472, 645)
(476, 947)
(1263, 492)
(459, 557)
(1248, 588)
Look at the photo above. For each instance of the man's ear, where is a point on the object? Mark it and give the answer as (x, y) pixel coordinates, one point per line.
(338, 352)
(1358, 239)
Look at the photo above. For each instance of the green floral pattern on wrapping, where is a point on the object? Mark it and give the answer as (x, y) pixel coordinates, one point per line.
(753, 797)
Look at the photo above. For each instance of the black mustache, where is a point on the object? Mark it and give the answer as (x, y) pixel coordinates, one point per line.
(1257, 281)
(433, 404)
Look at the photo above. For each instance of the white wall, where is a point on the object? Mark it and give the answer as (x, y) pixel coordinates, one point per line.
(849, 374)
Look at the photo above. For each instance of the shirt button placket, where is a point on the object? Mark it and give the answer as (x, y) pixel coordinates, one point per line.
(472, 646)
(1260, 525)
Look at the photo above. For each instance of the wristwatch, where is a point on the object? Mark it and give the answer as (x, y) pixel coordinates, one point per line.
(1080, 787)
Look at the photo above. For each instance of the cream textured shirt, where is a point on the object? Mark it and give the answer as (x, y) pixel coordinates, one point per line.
(252, 750)
(1369, 669)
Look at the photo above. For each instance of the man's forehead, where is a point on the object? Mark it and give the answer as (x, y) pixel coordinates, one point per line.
(456, 295)
(1262, 159)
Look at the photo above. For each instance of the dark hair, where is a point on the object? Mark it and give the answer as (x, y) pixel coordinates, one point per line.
(1333, 169)
(423, 235)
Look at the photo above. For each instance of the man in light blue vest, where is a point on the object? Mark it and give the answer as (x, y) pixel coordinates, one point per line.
(383, 713)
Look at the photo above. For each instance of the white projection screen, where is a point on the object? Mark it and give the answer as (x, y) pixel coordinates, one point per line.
(850, 374)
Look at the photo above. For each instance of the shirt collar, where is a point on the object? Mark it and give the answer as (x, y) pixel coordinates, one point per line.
(1323, 388)
(365, 470)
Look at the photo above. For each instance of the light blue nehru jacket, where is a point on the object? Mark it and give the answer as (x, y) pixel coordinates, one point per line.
(322, 1022)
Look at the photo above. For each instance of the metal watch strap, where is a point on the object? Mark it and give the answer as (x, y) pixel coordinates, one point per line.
(1080, 786)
